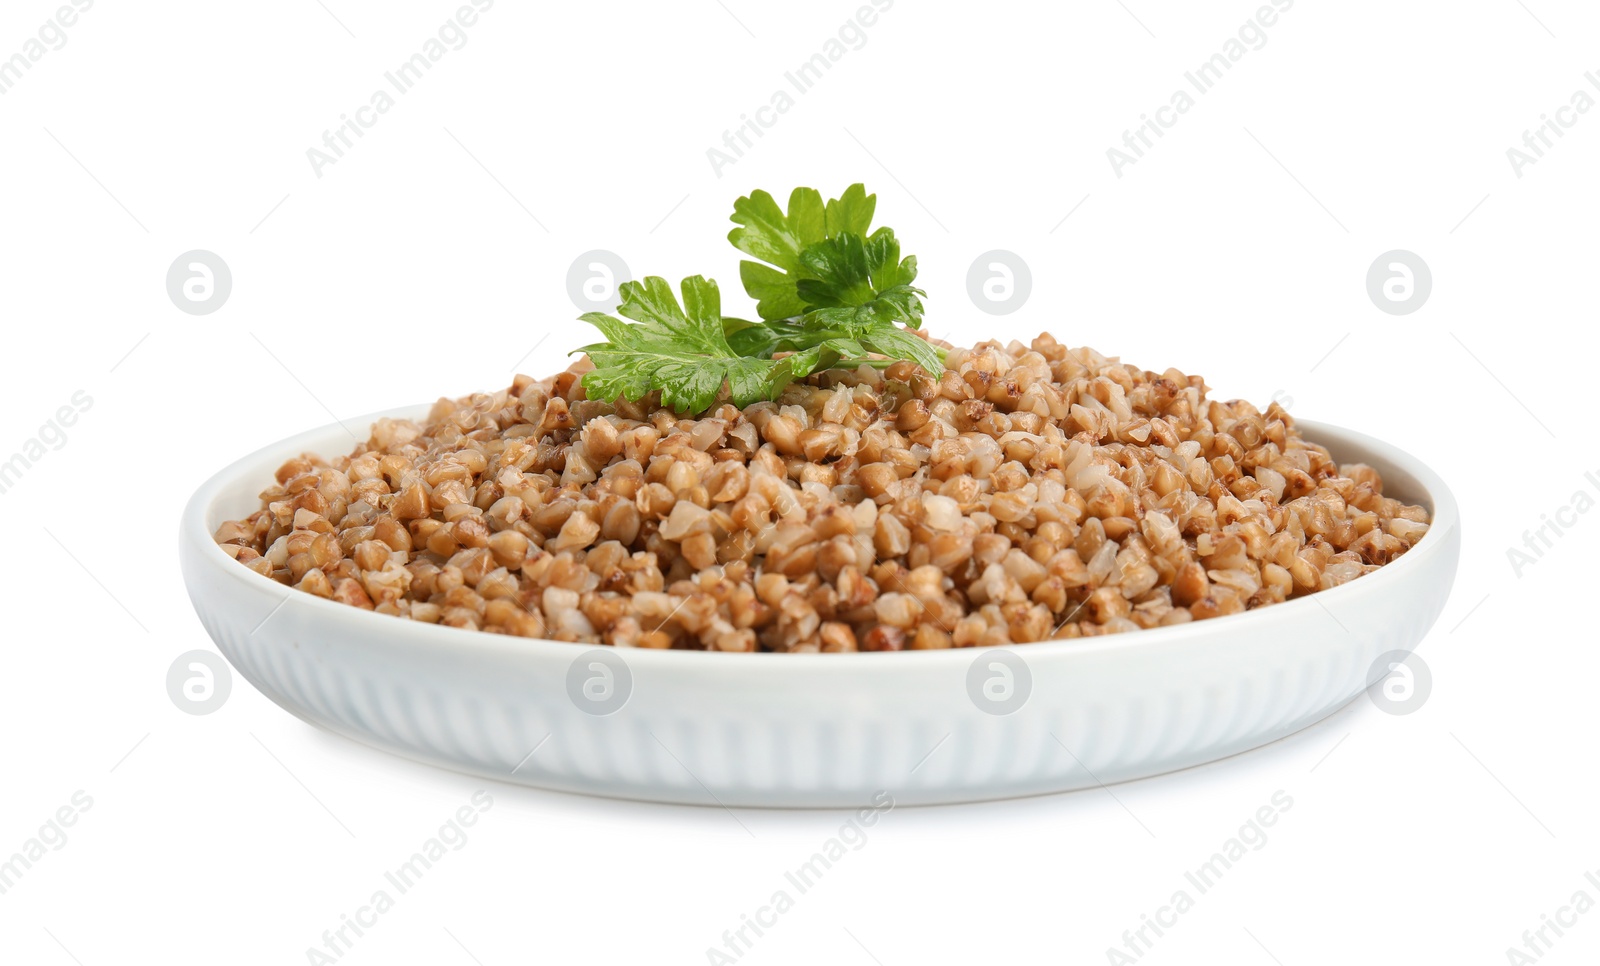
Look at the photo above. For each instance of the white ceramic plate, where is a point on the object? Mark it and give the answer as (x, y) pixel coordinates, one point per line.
(814, 730)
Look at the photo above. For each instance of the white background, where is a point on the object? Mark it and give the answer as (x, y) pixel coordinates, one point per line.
(433, 256)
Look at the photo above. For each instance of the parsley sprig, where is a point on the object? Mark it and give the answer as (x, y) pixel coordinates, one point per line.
(829, 292)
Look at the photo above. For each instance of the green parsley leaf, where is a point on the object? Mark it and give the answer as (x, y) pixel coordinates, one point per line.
(890, 340)
(781, 239)
(851, 270)
(680, 350)
(851, 212)
(830, 293)
(765, 338)
(871, 327)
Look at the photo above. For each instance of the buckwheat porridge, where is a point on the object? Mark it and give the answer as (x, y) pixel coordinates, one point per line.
(1021, 493)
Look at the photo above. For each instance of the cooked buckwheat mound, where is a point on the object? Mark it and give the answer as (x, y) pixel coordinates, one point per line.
(1025, 493)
